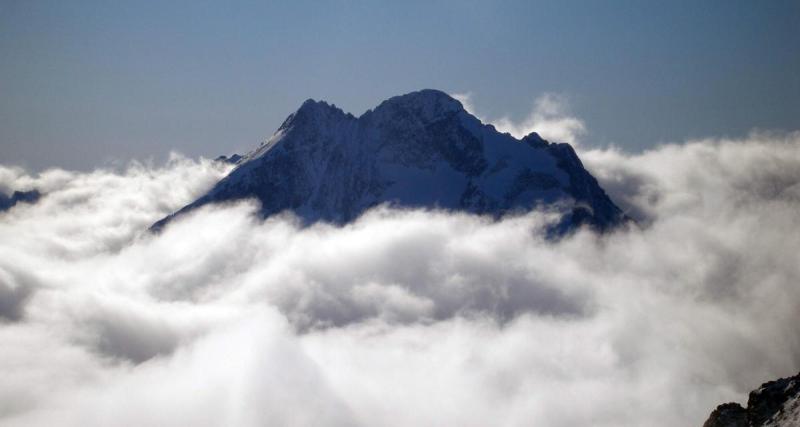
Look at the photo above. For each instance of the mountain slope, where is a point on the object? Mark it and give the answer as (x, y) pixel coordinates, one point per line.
(421, 149)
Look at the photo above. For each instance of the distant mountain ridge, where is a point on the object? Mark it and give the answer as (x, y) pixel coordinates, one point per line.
(422, 149)
(7, 202)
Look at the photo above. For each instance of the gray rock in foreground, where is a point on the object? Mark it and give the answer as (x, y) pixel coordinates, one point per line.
(774, 404)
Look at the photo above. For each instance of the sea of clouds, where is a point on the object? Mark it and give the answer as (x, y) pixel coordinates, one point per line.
(404, 317)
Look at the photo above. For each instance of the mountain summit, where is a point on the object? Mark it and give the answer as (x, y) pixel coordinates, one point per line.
(421, 149)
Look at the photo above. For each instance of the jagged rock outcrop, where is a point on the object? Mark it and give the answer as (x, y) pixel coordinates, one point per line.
(774, 404)
(416, 150)
(728, 415)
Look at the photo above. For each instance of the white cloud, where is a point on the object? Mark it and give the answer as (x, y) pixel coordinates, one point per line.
(550, 117)
(404, 317)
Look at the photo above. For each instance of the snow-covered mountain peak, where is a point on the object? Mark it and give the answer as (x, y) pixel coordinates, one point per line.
(312, 107)
(421, 149)
(313, 112)
(427, 105)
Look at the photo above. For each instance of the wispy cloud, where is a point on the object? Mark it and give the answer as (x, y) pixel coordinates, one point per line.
(550, 117)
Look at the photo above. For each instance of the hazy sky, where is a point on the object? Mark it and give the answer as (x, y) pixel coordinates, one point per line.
(87, 83)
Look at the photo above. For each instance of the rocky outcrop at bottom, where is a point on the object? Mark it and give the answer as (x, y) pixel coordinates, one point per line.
(774, 404)
(728, 415)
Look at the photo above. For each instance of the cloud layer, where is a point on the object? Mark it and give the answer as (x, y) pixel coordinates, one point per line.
(404, 317)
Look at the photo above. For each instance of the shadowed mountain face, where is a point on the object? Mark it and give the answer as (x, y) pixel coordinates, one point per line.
(416, 150)
(7, 202)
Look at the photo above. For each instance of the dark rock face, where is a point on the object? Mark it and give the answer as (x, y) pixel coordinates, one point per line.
(776, 401)
(417, 150)
(774, 404)
(728, 415)
(7, 202)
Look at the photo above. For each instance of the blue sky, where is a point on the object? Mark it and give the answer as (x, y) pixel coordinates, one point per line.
(87, 83)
